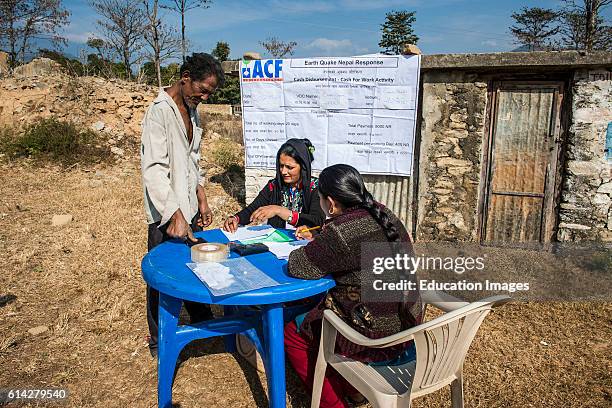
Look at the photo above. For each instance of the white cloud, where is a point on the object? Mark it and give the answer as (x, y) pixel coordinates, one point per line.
(326, 44)
(489, 43)
(380, 4)
(301, 7)
(79, 37)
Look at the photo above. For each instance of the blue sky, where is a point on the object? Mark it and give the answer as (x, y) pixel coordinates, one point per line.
(332, 28)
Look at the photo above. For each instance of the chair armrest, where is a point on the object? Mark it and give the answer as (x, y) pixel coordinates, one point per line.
(357, 338)
(442, 300)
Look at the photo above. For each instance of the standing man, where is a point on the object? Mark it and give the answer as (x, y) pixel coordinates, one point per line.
(175, 201)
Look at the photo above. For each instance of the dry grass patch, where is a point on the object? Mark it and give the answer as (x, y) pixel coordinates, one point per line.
(226, 126)
(83, 282)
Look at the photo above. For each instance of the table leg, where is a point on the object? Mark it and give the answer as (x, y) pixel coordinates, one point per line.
(169, 309)
(275, 355)
(229, 340)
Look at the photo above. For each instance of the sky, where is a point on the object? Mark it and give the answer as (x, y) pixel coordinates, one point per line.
(330, 28)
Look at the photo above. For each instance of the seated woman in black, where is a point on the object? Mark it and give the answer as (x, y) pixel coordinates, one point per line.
(291, 197)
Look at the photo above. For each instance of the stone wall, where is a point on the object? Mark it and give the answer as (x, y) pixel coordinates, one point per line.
(255, 180)
(450, 164)
(585, 209)
(452, 129)
(111, 105)
(38, 67)
(454, 103)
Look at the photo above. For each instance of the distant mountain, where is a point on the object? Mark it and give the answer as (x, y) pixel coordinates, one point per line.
(526, 48)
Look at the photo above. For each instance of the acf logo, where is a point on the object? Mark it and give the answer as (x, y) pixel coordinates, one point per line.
(262, 70)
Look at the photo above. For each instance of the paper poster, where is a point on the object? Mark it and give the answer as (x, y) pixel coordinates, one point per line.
(355, 110)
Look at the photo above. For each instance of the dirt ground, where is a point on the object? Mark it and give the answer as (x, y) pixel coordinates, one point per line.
(83, 282)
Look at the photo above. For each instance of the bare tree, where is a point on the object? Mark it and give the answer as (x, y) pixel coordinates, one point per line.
(573, 32)
(22, 21)
(277, 48)
(584, 25)
(182, 7)
(123, 24)
(534, 27)
(163, 40)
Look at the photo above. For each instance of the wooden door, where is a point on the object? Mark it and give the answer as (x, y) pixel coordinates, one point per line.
(522, 163)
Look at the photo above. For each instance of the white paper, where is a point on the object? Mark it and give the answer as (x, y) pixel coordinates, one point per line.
(396, 97)
(282, 249)
(301, 97)
(333, 101)
(215, 275)
(249, 232)
(235, 275)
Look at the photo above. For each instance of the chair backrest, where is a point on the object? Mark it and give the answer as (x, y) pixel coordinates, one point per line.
(441, 347)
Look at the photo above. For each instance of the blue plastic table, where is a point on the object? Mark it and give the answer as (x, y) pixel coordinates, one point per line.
(164, 269)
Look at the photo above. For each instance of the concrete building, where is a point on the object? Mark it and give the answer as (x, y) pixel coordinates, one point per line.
(510, 147)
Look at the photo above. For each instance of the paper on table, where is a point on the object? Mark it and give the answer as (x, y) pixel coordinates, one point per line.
(215, 275)
(276, 236)
(250, 232)
(283, 249)
(234, 275)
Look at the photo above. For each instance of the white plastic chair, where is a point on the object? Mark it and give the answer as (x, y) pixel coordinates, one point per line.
(441, 347)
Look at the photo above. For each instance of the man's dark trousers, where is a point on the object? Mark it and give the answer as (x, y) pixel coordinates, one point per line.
(197, 311)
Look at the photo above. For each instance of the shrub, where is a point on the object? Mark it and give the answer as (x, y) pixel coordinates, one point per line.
(225, 154)
(53, 139)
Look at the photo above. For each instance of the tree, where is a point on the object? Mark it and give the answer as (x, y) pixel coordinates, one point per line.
(182, 7)
(583, 27)
(229, 94)
(123, 23)
(104, 67)
(163, 40)
(97, 44)
(22, 21)
(102, 63)
(534, 27)
(277, 48)
(221, 51)
(73, 66)
(397, 30)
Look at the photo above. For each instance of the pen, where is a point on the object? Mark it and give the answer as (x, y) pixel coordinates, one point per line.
(310, 229)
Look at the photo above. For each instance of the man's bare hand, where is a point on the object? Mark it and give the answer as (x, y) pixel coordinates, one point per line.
(178, 226)
(206, 215)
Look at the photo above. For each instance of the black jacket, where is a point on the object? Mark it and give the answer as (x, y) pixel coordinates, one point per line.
(268, 196)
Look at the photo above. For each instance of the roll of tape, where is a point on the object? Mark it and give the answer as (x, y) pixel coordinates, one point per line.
(209, 252)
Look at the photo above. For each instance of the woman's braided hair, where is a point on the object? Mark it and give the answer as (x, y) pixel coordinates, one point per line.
(344, 184)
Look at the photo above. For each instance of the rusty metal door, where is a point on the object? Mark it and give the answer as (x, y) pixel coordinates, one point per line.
(522, 155)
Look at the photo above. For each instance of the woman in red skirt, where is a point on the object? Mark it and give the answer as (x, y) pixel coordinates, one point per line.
(354, 218)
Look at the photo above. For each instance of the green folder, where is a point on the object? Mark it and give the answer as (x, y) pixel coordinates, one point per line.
(276, 236)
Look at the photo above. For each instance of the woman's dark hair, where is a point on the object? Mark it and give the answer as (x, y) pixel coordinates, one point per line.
(301, 150)
(344, 184)
(289, 149)
(201, 65)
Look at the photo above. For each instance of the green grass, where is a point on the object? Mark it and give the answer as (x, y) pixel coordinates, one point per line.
(53, 140)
